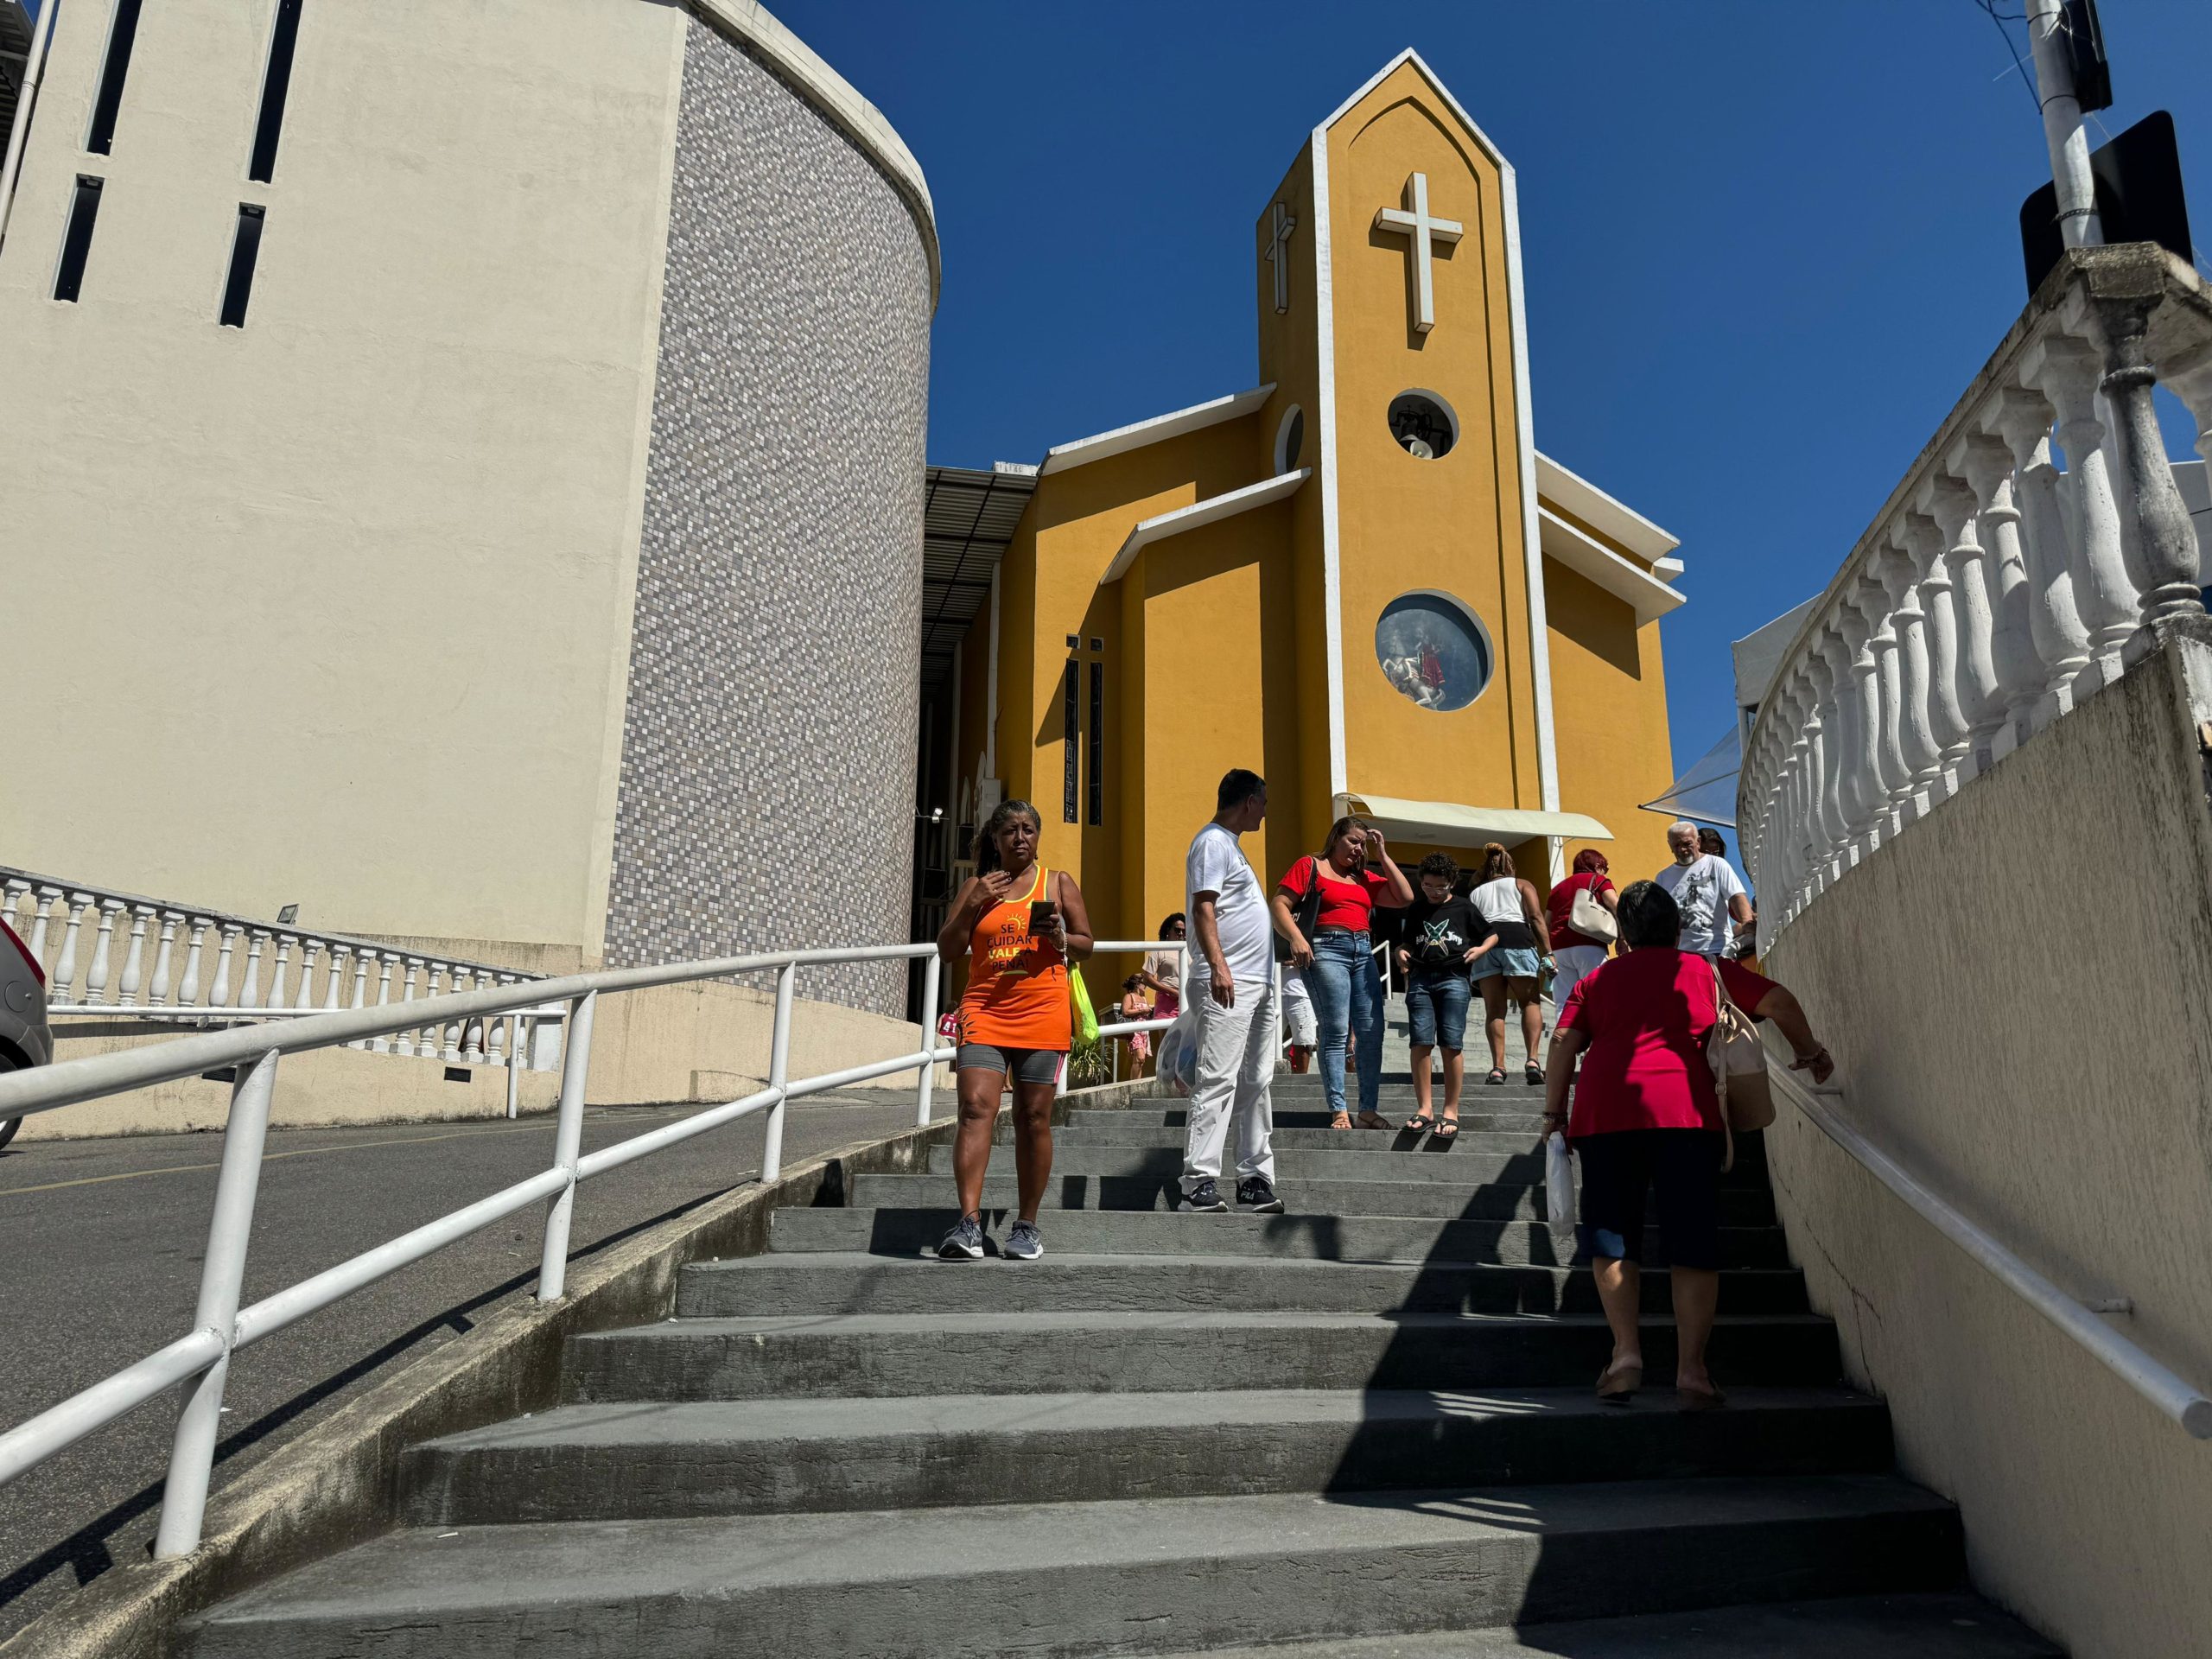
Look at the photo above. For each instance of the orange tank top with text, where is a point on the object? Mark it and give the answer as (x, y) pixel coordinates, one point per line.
(1017, 995)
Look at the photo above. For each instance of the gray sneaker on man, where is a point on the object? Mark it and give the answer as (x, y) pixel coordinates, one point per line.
(1024, 1243)
(964, 1242)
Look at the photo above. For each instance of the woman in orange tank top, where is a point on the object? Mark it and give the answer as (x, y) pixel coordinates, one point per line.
(1021, 927)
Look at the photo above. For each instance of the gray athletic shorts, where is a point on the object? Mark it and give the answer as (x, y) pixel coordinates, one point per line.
(1020, 1064)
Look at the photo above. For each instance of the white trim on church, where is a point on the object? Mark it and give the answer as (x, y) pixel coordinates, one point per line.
(1625, 580)
(1211, 511)
(1158, 430)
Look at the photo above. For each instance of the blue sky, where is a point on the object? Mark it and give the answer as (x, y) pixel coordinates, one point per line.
(1767, 243)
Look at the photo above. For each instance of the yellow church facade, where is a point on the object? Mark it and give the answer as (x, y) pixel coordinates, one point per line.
(1359, 578)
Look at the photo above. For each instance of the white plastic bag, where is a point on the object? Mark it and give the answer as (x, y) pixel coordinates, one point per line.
(1179, 1051)
(1558, 1185)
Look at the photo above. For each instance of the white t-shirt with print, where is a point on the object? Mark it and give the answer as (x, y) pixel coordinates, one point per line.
(1217, 864)
(1702, 890)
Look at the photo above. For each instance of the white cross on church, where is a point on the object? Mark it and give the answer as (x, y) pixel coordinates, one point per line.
(1279, 229)
(1412, 221)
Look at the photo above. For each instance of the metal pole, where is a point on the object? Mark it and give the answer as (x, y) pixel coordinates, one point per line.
(931, 970)
(192, 1454)
(568, 1143)
(514, 1066)
(26, 98)
(779, 1062)
(2078, 224)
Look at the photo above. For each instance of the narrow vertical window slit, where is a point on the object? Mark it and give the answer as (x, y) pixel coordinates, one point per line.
(77, 238)
(275, 85)
(1095, 775)
(107, 100)
(245, 249)
(1070, 732)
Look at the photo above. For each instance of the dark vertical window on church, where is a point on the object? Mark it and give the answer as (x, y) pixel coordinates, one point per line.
(245, 249)
(1093, 777)
(275, 84)
(107, 100)
(1069, 732)
(77, 242)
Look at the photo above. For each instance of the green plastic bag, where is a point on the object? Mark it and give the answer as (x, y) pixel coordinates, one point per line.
(1082, 1019)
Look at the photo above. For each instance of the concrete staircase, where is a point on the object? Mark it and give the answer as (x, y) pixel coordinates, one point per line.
(1366, 1426)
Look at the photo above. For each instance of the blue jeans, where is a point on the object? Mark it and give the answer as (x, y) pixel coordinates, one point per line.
(1347, 993)
(1436, 1007)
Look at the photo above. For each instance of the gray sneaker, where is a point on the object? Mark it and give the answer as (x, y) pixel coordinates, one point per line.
(964, 1242)
(1204, 1199)
(1024, 1243)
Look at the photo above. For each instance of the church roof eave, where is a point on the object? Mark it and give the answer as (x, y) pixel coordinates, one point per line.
(1643, 593)
(1158, 430)
(1603, 512)
(1211, 511)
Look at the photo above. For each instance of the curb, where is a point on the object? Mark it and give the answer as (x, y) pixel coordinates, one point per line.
(334, 1486)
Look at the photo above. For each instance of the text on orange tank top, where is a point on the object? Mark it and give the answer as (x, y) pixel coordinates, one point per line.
(1017, 995)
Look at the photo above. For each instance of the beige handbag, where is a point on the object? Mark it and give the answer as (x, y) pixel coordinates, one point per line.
(1590, 918)
(1738, 1057)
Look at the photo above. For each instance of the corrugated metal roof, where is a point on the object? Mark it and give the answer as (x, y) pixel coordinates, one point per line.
(968, 521)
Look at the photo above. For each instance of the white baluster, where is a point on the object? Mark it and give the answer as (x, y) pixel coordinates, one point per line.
(362, 957)
(1865, 793)
(334, 983)
(187, 990)
(310, 956)
(96, 979)
(2060, 641)
(406, 1044)
(134, 960)
(157, 994)
(63, 988)
(219, 996)
(1946, 723)
(54, 904)
(383, 1045)
(2104, 598)
(278, 997)
(2013, 598)
(1843, 739)
(495, 1031)
(1915, 732)
(1957, 509)
(472, 1029)
(250, 991)
(433, 1042)
(2166, 568)
(20, 905)
(1893, 773)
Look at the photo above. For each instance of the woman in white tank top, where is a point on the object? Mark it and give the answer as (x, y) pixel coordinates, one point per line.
(1509, 970)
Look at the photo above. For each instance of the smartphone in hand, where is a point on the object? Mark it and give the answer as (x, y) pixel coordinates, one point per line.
(1042, 913)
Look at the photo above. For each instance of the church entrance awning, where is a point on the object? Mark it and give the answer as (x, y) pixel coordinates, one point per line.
(1448, 823)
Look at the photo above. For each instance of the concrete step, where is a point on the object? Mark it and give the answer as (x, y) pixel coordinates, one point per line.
(1337, 1238)
(799, 1284)
(762, 1457)
(849, 1356)
(1932, 1626)
(1461, 1165)
(1750, 1160)
(1061, 1581)
(1473, 1115)
(1739, 1206)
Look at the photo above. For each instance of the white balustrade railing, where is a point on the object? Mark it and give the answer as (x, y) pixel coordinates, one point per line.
(117, 956)
(1995, 591)
(198, 1363)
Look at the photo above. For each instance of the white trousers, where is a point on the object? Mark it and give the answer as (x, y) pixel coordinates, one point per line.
(1298, 1009)
(1572, 961)
(1237, 1066)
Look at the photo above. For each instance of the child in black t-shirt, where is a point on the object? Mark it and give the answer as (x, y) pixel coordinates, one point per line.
(1439, 934)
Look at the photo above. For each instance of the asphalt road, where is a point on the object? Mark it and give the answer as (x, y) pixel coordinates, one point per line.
(100, 1246)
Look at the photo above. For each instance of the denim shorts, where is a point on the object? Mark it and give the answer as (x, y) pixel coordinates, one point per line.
(1436, 1007)
(1513, 962)
(1018, 1065)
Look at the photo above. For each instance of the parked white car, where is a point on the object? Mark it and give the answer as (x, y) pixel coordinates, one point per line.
(25, 1037)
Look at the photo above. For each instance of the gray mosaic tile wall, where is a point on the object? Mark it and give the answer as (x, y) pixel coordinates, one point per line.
(767, 794)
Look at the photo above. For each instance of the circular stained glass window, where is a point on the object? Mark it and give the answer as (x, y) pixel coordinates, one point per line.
(1433, 650)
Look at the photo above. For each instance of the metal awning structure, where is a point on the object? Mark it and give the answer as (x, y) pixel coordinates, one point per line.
(1449, 823)
(967, 519)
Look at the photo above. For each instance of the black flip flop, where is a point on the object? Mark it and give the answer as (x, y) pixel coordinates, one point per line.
(1447, 1128)
(1419, 1123)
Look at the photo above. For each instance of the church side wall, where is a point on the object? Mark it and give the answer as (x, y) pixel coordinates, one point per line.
(2039, 1056)
(769, 743)
(332, 608)
(1609, 701)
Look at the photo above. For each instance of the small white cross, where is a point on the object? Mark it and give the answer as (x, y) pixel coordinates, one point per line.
(1412, 221)
(1280, 227)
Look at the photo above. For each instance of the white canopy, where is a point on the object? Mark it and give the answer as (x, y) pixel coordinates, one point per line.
(1447, 824)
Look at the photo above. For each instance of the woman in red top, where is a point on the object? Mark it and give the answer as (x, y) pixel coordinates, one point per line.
(1577, 954)
(1645, 1116)
(1019, 925)
(1340, 973)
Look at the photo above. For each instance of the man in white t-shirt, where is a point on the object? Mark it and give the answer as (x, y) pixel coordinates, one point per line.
(1705, 890)
(1230, 982)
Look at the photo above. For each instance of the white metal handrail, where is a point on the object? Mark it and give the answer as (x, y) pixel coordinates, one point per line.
(2173, 1396)
(200, 1360)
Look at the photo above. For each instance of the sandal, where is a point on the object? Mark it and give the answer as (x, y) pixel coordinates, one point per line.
(1535, 1072)
(1618, 1382)
(1699, 1399)
(1375, 1120)
(1419, 1123)
(1447, 1129)
(1341, 1121)
(1496, 1077)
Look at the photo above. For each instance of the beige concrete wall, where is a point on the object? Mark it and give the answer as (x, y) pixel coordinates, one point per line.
(672, 1043)
(335, 608)
(2016, 990)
